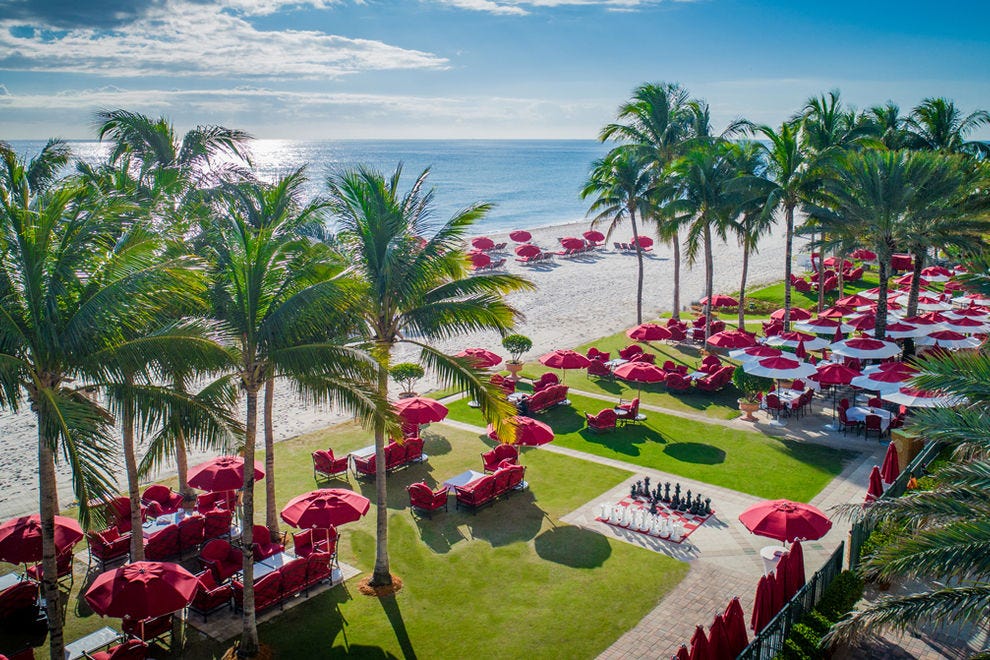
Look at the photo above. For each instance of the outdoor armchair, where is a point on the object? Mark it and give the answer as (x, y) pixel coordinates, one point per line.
(163, 544)
(327, 466)
(544, 381)
(132, 649)
(169, 502)
(221, 558)
(598, 368)
(263, 546)
(424, 498)
(604, 421)
(210, 596)
(107, 547)
(494, 456)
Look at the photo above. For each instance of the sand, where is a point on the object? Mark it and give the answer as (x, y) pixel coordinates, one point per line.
(576, 300)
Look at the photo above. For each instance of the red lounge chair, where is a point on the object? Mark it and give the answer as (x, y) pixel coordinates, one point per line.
(507, 386)
(221, 558)
(267, 592)
(872, 424)
(597, 368)
(677, 333)
(156, 630)
(210, 596)
(163, 544)
(107, 547)
(423, 498)
(169, 502)
(545, 381)
(326, 466)
(132, 649)
(263, 545)
(677, 383)
(803, 285)
(497, 454)
(318, 568)
(19, 602)
(603, 421)
(854, 275)
(217, 523)
(293, 577)
(477, 493)
(64, 572)
(631, 352)
(191, 532)
(221, 499)
(364, 466)
(710, 364)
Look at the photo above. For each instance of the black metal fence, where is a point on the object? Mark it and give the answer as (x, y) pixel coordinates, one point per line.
(770, 641)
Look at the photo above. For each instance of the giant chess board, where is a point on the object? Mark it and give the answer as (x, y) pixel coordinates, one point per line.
(669, 524)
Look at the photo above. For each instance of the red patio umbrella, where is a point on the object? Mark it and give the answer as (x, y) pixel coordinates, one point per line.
(527, 250)
(326, 507)
(837, 311)
(526, 431)
(891, 467)
(762, 605)
(222, 473)
(594, 236)
(778, 368)
(481, 358)
(800, 351)
(797, 314)
(785, 520)
(572, 242)
(20, 538)
(718, 641)
(721, 301)
(901, 330)
(480, 260)
(732, 339)
(864, 322)
(735, 627)
(420, 410)
(699, 645)
(949, 339)
(835, 374)
(864, 255)
(648, 332)
(640, 372)
(865, 348)
(875, 489)
(565, 359)
(854, 300)
(520, 236)
(142, 590)
(483, 243)
(644, 242)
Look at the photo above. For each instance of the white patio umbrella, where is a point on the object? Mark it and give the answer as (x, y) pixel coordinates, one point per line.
(792, 339)
(949, 339)
(779, 368)
(915, 398)
(757, 352)
(975, 313)
(971, 298)
(878, 382)
(865, 348)
(823, 326)
(903, 330)
(967, 326)
(926, 303)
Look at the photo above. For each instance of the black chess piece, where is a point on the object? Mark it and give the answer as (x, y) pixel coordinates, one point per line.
(666, 492)
(646, 485)
(708, 506)
(675, 501)
(657, 495)
(677, 490)
(632, 491)
(653, 508)
(687, 498)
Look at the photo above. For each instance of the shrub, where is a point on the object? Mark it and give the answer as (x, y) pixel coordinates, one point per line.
(750, 385)
(883, 534)
(406, 373)
(516, 345)
(817, 622)
(841, 596)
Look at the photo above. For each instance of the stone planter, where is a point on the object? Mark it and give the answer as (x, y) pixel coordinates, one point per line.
(514, 369)
(748, 407)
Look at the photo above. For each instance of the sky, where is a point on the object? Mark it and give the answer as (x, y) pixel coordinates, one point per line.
(435, 69)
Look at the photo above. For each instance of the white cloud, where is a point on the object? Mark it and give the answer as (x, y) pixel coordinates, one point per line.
(183, 38)
(521, 7)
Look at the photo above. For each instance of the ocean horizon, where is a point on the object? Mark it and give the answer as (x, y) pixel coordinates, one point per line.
(532, 183)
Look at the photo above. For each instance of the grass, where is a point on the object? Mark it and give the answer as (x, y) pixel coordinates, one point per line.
(775, 292)
(488, 584)
(745, 461)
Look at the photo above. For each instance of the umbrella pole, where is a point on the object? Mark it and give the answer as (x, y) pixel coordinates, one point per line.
(833, 426)
(777, 421)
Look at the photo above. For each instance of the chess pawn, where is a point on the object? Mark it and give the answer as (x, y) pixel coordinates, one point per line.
(708, 506)
(665, 529)
(647, 522)
(655, 525)
(603, 511)
(627, 517)
(614, 517)
(677, 533)
(632, 491)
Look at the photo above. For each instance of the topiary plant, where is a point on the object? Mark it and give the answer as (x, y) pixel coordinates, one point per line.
(516, 345)
(749, 385)
(406, 373)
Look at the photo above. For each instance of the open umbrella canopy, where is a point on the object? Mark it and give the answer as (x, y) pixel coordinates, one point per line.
(792, 339)
(420, 410)
(732, 339)
(526, 431)
(949, 339)
(757, 352)
(326, 507)
(527, 250)
(865, 348)
(854, 300)
(835, 374)
(936, 273)
(972, 298)
(880, 381)
(480, 259)
(481, 358)
(142, 590)
(520, 236)
(648, 332)
(222, 473)
(594, 236)
(720, 300)
(778, 367)
(838, 311)
(927, 303)
(823, 326)
(864, 322)
(907, 278)
(974, 312)
(644, 241)
(912, 397)
(891, 467)
(483, 243)
(735, 627)
(640, 372)
(797, 314)
(785, 520)
(572, 242)
(967, 326)
(864, 255)
(20, 538)
(902, 330)
(565, 359)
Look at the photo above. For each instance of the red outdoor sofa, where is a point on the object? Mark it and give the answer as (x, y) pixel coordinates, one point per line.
(396, 456)
(497, 455)
(488, 488)
(548, 397)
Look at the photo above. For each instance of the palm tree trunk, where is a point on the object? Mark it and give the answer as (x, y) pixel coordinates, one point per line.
(912, 306)
(248, 647)
(271, 514)
(742, 286)
(130, 466)
(182, 467)
(382, 574)
(709, 280)
(821, 277)
(841, 259)
(676, 244)
(788, 257)
(883, 268)
(48, 510)
(639, 260)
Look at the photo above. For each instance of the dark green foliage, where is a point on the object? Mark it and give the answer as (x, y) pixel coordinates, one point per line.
(750, 385)
(838, 600)
(516, 345)
(841, 596)
(884, 534)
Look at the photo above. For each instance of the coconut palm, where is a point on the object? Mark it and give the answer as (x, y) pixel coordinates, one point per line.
(753, 222)
(623, 187)
(936, 124)
(73, 296)
(890, 126)
(415, 291)
(947, 528)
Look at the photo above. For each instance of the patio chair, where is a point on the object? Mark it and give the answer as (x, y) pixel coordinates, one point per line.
(677, 383)
(507, 385)
(413, 450)
(671, 368)
(263, 545)
(873, 424)
(646, 357)
(327, 466)
(63, 574)
(494, 457)
(107, 547)
(544, 381)
(843, 404)
(293, 577)
(774, 405)
(154, 630)
(318, 568)
(630, 352)
(423, 498)
(210, 596)
(221, 499)
(191, 532)
(595, 354)
(163, 544)
(875, 402)
(317, 539)
(19, 602)
(847, 423)
(598, 369)
(217, 524)
(627, 412)
(169, 501)
(802, 285)
(118, 512)
(677, 332)
(605, 420)
(132, 649)
(267, 592)
(797, 384)
(221, 558)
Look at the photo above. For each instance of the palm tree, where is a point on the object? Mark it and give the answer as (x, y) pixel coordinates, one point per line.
(72, 296)
(415, 284)
(889, 124)
(936, 124)
(280, 301)
(623, 185)
(655, 124)
(947, 528)
(753, 221)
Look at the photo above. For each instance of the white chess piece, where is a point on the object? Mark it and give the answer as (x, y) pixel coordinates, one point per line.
(647, 522)
(614, 518)
(678, 532)
(655, 524)
(665, 529)
(603, 511)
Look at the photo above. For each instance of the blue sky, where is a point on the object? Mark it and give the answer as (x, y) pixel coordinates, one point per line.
(469, 68)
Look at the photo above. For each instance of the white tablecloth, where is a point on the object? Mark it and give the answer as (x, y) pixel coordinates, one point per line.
(859, 413)
(463, 478)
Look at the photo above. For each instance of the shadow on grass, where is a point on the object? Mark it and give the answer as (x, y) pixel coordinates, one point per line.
(509, 519)
(391, 607)
(435, 445)
(573, 546)
(624, 439)
(439, 532)
(361, 651)
(695, 452)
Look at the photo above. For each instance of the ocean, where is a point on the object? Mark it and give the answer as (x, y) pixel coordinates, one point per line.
(533, 183)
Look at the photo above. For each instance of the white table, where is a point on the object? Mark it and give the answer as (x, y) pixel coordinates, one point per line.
(617, 362)
(161, 522)
(8, 580)
(463, 479)
(261, 569)
(364, 451)
(859, 413)
(278, 561)
(771, 555)
(517, 396)
(92, 642)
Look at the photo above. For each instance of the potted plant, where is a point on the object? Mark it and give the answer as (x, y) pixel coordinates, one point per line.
(516, 345)
(750, 386)
(406, 374)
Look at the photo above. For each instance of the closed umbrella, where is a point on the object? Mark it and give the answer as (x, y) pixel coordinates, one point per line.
(682, 653)
(526, 431)
(756, 353)
(648, 332)
(699, 645)
(785, 520)
(735, 627)
(483, 243)
(324, 508)
(222, 473)
(781, 582)
(721, 301)
(801, 352)
(420, 410)
(732, 339)
(481, 358)
(865, 348)
(797, 314)
(520, 236)
(718, 642)
(795, 567)
(875, 489)
(762, 605)
(527, 250)
(142, 590)
(20, 538)
(891, 467)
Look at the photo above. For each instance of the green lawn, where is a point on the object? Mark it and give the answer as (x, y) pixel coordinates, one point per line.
(490, 584)
(745, 461)
(775, 292)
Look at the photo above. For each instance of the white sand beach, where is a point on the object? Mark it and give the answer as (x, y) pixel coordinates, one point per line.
(575, 301)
